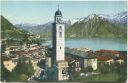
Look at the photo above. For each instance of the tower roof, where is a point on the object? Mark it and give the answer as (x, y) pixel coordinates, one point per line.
(58, 12)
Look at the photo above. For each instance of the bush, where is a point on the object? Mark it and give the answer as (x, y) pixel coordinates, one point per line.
(21, 72)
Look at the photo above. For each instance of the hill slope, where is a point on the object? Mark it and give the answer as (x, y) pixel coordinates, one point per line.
(12, 34)
(96, 26)
(44, 30)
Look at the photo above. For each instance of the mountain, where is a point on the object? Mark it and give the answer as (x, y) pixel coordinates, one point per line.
(121, 18)
(42, 29)
(116, 18)
(74, 20)
(111, 21)
(14, 35)
(97, 26)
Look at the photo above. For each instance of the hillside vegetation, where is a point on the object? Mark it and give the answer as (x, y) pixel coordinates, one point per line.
(97, 27)
(15, 35)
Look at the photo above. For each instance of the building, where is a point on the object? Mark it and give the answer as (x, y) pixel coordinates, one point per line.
(106, 59)
(59, 64)
(120, 61)
(82, 59)
(61, 60)
(90, 62)
(58, 37)
(61, 71)
(48, 62)
(9, 65)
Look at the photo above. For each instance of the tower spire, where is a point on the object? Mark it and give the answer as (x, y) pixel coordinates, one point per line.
(58, 6)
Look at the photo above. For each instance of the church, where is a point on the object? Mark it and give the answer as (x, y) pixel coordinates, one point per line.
(57, 63)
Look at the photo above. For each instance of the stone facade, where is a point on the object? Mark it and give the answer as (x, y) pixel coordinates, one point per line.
(61, 71)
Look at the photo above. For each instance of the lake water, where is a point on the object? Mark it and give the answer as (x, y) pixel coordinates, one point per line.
(94, 44)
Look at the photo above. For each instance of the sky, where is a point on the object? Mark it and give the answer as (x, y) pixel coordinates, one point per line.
(41, 12)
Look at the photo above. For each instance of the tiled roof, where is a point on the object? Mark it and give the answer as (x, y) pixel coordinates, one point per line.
(108, 51)
(104, 58)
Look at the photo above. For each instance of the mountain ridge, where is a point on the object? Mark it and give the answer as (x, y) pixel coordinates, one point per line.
(15, 35)
(113, 20)
(96, 26)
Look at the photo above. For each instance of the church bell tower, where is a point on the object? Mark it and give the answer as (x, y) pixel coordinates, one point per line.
(60, 65)
(58, 37)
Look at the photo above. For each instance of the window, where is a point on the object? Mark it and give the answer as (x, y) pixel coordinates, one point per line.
(64, 71)
(60, 34)
(57, 19)
(60, 28)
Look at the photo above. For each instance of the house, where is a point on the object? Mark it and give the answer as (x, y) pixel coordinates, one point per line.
(9, 65)
(90, 62)
(82, 59)
(110, 61)
(106, 59)
(120, 61)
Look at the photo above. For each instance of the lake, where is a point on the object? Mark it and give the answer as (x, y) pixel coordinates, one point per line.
(94, 44)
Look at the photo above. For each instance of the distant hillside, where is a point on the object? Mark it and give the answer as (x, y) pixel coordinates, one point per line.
(97, 26)
(44, 30)
(94, 25)
(14, 35)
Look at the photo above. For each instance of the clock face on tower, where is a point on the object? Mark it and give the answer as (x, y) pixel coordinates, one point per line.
(58, 19)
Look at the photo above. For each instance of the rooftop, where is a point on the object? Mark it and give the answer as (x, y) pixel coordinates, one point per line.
(58, 12)
(78, 53)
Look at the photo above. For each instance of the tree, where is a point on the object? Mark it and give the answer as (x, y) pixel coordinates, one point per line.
(122, 71)
(41, 64)
(71, 70)
(89, 69)
(23, 77)
(24, 68)
(22, 71)
(104, 68)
